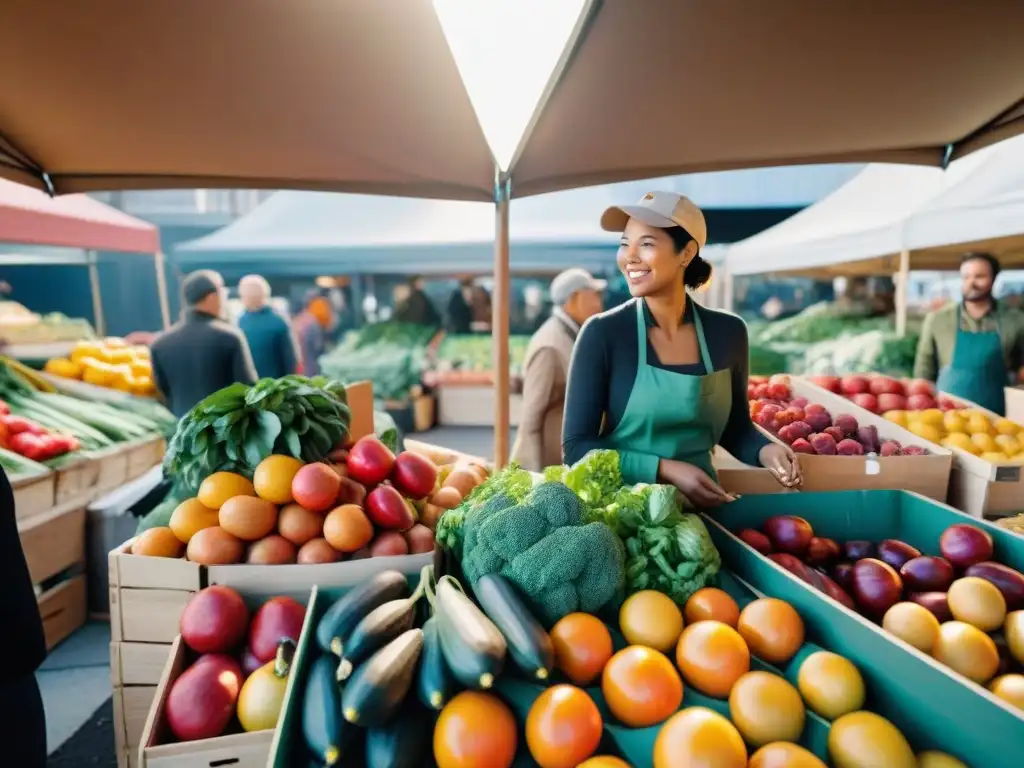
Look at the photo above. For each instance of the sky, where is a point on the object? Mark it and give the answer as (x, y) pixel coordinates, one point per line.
(506, 51)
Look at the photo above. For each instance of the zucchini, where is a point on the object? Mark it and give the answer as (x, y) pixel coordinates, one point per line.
(377, 688)
(434, 681)
(342, 617)
(322, 724)
(378, 628)
(404, 742)
(528, 644)
(473, 647)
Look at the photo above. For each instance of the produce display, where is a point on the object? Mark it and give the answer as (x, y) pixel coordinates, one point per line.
(109, 362)
(20, 326)
(27, 438)
(392, 355)
(367, 502)
(240, 664)
(478, 678)
(463, 355)
(811, 429)
(945, 605)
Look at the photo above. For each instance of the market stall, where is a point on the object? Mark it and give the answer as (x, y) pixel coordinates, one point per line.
(79, 227)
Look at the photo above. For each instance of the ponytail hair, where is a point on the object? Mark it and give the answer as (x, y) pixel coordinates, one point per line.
(698, 271)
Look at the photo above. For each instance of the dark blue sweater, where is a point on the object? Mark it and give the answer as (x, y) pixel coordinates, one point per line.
(270, 342)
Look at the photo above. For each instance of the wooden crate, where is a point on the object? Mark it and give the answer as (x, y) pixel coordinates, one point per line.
(113, 468)
(76, 480)
(131, 706)
(142, 456)
(148, 594)
(137, 663)
(63, 609)
(1015, 404)
(53, 542)
(34, 494)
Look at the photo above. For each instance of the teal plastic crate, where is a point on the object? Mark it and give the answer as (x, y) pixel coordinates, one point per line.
(935, 707)
(633, 744)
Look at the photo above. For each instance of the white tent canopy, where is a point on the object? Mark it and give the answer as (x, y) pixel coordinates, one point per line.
(865, 225)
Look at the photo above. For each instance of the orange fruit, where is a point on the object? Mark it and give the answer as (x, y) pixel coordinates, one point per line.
(641, 686)
(711, 604)
(604, 761)
(563, 727)
(582, 645)
(864, 738)
(830, 684)
(221, 486)
(189, 517)
(248, 517)
(475, 730)
(712, 657)
(697, 737)
(157, 542)
(652, 619)
(967, 650)
(347, 528)
(215, 546)
(273, 478)
(772, 628)
(766, 708)
(781, 754)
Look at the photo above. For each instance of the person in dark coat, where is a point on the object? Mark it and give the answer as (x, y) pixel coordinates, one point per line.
(460, 314)
(22, 645)
(417, 307)
(201, 353)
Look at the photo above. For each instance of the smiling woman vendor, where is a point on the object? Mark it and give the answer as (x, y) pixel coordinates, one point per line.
(660, 379)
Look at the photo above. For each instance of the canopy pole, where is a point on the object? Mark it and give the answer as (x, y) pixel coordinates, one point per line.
(161, 289)
(500, 308)
(902, 289)
(97, 298)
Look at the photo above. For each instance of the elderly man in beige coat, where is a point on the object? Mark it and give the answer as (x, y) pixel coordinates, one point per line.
(576, 296)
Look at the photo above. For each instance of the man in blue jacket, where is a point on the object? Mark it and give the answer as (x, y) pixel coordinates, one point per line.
(271, 341)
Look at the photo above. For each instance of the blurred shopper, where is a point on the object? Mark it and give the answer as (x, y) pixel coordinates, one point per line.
(974, 348)
(271, 342)
(460, 315)
(311, 326)
(417, 308)
(576, 296)
(201, 353)
(481, 305)
(23, 645)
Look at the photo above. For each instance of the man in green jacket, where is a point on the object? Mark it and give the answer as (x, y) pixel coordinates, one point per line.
(975, 348)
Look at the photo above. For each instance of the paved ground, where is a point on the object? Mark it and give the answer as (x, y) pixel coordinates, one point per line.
(75, 679)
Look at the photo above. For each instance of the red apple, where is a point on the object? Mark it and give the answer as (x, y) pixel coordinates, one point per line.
(387, 509)
(854, 385)
(866, 401)
(920, 402)
(890, 402)
(370, 461)
(921, 387)
(831, 383)
(414, 475)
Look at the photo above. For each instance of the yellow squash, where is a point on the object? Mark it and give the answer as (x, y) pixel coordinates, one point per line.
(262, 694)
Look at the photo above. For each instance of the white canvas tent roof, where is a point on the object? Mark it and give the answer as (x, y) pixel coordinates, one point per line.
(978, 203)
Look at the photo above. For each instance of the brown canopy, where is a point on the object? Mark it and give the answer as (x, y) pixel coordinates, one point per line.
(364, 95)
(353, 95)
(658, 87)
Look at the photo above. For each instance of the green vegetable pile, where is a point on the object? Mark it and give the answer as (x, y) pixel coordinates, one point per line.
(545, 546)
(237, 427)
(871, 352)
(664, 547)
(475, 352)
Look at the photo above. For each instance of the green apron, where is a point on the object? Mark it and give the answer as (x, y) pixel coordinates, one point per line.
(977, 371)
(674, 415)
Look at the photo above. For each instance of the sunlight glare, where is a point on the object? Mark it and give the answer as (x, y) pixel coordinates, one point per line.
(505, 51)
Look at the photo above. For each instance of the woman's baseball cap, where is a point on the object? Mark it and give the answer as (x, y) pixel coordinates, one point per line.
(659, 209)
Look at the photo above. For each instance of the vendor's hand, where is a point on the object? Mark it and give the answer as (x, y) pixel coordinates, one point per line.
(782, 463)
(694, 483)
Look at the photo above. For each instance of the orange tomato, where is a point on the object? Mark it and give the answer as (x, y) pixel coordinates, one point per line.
(604, 761)
(783, 755)
(712, 604)
(772, 629)
(563, 727)
(641, 686)
(697, 737)
(712, 657)
(766, 708)
(475, 730)
(582, 645)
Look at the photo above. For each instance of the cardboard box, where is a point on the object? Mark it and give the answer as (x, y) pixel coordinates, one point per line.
(1015, 404)
(933, 706)
(34, 494)
(472, 406)
(360, 403)
(740, 479)
(927, 475)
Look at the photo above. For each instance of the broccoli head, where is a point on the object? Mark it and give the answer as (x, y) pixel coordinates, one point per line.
(547, 549)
